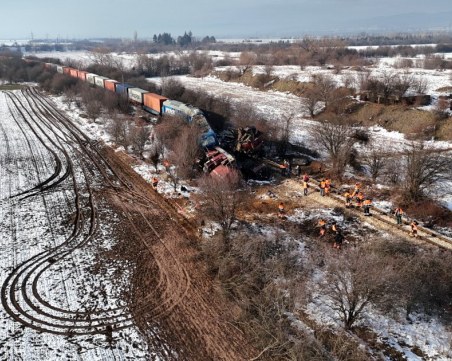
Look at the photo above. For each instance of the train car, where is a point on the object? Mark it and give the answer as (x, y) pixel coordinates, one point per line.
(136, 95)
(90, 78)
(192, 115)
(99, 81)
(81, 74)
(73, 73)
(153, 103)
(121, 88)
(178, 108)
(110, 84)
(67, 70)
(50, 66)
(60, 69)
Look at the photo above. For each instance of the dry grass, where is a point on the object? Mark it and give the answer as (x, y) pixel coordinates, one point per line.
(445, 89)
(11, 86)
(444, 130)
(412, 122)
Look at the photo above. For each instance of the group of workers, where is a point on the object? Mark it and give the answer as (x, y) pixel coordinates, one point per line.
(338, 236)
(355, 195)
(361, 201)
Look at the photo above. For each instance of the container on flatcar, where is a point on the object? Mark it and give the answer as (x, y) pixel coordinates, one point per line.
(110, 84)
(73, 72)
(136, 94)
(153, 103)
(81, 74)
(60, 69)
(99, 81)
(178, 108)
(67, 70)
(50, 66)
(121, 88)
(195, 115)
(90, 78)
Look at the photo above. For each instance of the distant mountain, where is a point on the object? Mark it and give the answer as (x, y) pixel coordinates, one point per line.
(401, 22)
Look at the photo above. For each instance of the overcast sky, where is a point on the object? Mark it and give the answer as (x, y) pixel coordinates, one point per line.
(223, 18)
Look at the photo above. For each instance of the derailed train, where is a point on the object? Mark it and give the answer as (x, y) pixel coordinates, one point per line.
(150, 102)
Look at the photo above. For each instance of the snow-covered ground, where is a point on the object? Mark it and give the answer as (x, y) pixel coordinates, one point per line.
(48, 283)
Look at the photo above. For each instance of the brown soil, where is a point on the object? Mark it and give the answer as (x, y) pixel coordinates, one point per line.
(171, 291)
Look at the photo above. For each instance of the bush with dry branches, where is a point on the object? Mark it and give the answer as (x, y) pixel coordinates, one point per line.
(354, 280)
(222, 198)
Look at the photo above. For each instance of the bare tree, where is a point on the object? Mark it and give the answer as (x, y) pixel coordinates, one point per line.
(169, 129)
(325, 86)
(186, 150)
(221, 201)
(388, 85)
(173, 176)
(172, 88)
(310, 101)
(69, 96)
(156, 152)
(139, 136)
(354, 280)
(284, 132)
(420, 84)
(93, 109)
(391, 171)
(247, 60)
(375, 160)
(117, 127)
(441, 109)
(423, 168)
(337, 139)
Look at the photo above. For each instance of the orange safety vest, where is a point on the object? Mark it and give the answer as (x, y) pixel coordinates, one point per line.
(305, 185)
(398, 211)
(322, 223)
(281, 207)
(414, 226)
(367, 202)
(322, 184)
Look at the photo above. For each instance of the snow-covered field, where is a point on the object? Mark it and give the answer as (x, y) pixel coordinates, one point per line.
(54, 306)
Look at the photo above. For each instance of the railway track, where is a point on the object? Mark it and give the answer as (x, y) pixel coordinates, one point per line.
(19, 293)
(424, 234)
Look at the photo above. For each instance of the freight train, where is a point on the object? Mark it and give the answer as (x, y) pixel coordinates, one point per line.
(150, 102)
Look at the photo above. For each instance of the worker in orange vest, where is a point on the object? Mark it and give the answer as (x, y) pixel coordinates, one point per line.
(356, 190)
(413, 226)
(338, 239)
(322, 225)
(322, 187)
(327, 186)
(281, 210)
(366, 205)
(305, 188)
(359, 199)
(348, 199)
(155, 182)
(334, 228)
(398, 214)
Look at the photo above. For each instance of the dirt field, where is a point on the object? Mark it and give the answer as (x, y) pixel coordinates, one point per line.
(94, 265)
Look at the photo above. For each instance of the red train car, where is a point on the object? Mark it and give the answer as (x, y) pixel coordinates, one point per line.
(109, 84)
(81, 74)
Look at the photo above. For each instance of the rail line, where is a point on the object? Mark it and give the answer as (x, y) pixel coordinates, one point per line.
(54, 131)
(424, 234)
